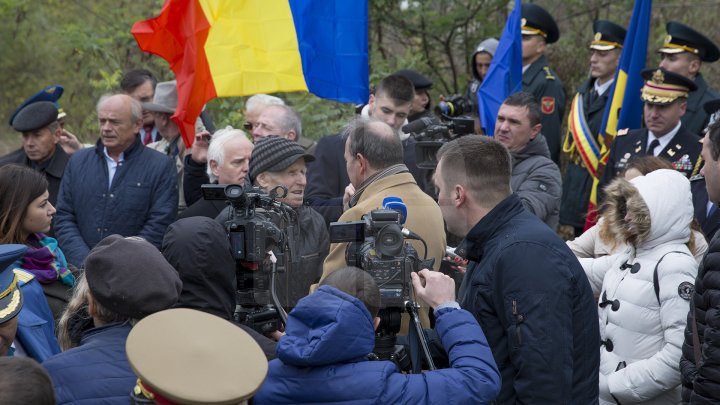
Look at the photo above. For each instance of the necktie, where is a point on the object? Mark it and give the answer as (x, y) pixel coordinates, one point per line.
(148, 138)
(651, 149)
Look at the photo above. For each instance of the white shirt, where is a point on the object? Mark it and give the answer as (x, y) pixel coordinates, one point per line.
(112, 165)
(664, 140)
(602, 88)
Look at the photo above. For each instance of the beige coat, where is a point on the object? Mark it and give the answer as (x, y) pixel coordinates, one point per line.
(423, 217)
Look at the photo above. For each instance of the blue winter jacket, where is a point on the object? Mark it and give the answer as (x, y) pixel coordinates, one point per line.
(532, 298)
(36, 326)
(142, 200)
(97, 371)
(322, 359)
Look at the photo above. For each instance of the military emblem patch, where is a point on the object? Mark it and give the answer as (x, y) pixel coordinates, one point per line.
(685, 290)
(548, 105)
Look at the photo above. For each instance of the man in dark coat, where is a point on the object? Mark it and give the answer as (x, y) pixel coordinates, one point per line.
(700, 361)
(327, 176)
(40, 148)
(683, 52)
(605, 50)
(228, 157)
(665, 97)
(127, 280)
(538, 30)
(523, 284)
(117, 187)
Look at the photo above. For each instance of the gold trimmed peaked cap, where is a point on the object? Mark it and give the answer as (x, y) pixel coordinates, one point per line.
(681, 38)
(664, 87)
(10, 296)
(608, 35)
(537, 21)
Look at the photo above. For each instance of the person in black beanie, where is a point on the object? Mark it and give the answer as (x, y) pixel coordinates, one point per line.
(277, 162)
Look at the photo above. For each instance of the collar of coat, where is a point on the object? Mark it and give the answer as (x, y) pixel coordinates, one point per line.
(472, 246)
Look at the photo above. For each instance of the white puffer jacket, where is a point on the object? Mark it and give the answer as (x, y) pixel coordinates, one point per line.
(642, 338)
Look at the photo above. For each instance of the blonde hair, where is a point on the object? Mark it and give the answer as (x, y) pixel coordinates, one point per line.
(76, 310)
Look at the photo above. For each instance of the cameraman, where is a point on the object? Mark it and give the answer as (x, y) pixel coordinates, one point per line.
(331, 332)
(276, 162)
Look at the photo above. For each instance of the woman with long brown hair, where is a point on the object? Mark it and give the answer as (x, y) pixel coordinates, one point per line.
(25, 218)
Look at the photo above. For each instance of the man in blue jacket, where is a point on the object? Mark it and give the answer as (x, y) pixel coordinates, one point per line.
(524, 286)
(117, 187)
(127, 279)
(331, 332)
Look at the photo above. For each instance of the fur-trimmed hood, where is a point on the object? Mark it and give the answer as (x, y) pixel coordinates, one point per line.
(660, 208)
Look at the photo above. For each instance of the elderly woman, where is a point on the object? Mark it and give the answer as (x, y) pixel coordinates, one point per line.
(645, 291)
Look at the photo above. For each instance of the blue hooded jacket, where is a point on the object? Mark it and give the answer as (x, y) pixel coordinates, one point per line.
(323, 359)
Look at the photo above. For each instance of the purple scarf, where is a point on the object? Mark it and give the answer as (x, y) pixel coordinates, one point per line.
(45, 260)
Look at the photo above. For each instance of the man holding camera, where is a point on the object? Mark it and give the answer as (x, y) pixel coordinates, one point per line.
(331, 332)
(523, 284)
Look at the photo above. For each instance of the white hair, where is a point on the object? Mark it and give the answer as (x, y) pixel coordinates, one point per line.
(216, 149)
(262, 100)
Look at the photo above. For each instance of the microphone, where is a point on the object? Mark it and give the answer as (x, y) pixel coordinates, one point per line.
(418, 125)
(396, 204)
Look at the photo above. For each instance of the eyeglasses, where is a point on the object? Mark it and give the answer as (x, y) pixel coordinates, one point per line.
(248, 126)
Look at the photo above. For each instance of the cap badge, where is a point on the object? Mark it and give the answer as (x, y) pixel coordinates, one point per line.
(658, 77)
(523, 22)
(598, 36)
(668, 39)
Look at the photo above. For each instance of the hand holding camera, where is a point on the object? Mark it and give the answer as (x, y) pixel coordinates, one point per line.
(433, 287)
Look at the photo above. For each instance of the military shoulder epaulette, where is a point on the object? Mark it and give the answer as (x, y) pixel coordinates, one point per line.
(23, 276)
(548, 74)
(697, 177)
(623, 132)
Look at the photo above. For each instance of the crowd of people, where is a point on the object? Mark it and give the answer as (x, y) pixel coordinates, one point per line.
(122, 279)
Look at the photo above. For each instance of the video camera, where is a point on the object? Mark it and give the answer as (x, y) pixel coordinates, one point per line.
(430, 135)
(455, 106)
(256, 225)
(377, 244)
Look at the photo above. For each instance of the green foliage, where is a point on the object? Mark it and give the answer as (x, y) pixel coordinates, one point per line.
(86, 46)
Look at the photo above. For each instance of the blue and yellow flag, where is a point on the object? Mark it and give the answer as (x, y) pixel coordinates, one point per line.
(624, 108)
(504, 76)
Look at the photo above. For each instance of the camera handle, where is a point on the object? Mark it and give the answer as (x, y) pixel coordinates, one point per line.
(273, 294)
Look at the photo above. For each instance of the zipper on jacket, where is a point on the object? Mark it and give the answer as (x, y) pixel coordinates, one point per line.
(519, 318)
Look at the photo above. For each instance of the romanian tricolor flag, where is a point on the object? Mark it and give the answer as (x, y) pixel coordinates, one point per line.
(624, 108)
(582, 139)
(221, 48)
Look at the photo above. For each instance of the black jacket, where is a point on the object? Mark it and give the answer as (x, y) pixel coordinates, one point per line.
(297, 273)
(542, 82)
(683, 152)
(695, 118)
(709, 225)
(702, 386)
(199, 250)
(53, 171)
(535, 304)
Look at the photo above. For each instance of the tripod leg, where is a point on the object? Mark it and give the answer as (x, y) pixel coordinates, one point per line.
(411, 308)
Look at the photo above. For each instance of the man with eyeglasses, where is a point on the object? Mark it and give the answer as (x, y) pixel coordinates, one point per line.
(255, 105)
